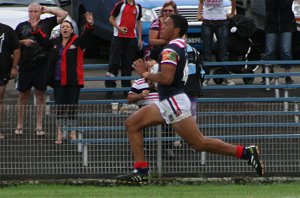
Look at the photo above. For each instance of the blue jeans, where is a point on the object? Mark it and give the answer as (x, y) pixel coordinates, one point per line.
(221, 32)
(285, 41)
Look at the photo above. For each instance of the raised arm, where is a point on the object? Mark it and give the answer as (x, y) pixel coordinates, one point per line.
(59, 13)
(89, 26)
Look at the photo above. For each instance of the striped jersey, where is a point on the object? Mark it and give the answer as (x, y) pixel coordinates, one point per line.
(139, 86)
(174, 53)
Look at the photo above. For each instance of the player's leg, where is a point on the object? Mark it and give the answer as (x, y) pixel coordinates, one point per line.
(146, 116)
(189, 131)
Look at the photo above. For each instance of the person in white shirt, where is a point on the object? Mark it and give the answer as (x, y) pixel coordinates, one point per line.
(214, 17)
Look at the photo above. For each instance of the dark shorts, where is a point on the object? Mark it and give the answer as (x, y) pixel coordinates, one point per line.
(3, 82)
(35, 77)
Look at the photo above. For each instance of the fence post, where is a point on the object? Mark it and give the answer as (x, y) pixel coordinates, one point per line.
(203, 158)
(286, 104)
(296, 108)
(85, 155)
(277, 94)
(159, 151)
(47, 99)
(79, 142)
(267, 79)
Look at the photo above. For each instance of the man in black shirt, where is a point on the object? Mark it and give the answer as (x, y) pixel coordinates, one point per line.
(9, 59)
(32, 70)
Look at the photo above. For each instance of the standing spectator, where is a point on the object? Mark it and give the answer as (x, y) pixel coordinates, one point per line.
(214, 18)
(66, 70)
(9, 59)
(32, 70)
(280, 25)
(125, 18)
(174, 107)
(155, 40)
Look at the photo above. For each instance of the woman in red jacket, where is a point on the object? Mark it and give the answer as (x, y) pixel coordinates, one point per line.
(65, 71)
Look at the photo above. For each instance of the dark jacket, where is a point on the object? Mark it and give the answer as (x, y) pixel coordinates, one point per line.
(279, 16)
(72, 57)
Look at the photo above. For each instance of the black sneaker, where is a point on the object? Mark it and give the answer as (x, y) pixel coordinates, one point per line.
(137, 175)
(289, 80)
(254, 160)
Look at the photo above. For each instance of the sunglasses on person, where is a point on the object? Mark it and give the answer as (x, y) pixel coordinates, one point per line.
(168, 10)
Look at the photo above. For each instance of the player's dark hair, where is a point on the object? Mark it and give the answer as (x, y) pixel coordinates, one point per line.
(180, 22)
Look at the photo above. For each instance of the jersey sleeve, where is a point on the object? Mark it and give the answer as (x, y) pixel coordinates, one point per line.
(155, 25)
(140, 15)
(49, 24)
(116, 11)
(169, 56)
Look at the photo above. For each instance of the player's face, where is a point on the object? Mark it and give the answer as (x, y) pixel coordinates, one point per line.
(34, 12)
(168, 29)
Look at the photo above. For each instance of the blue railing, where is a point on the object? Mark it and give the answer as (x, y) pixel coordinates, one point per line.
(210, 87)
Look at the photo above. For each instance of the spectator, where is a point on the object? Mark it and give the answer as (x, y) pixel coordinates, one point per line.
(155, 40)
(214, 18)
(144, 92)
(125, 17)
(33, 62)
(279, 26)
(9, 58)
(66, 70)
(174, 107)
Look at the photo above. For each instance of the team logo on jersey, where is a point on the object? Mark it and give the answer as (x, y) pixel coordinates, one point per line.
(134, 12)
(72, 47)
(169, 56)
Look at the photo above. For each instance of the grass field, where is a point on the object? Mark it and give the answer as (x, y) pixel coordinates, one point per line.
(291, 190)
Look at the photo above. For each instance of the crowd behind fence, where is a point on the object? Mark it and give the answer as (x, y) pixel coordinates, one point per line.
(102, 149)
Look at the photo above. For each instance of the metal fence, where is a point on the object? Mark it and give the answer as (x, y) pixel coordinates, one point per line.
(102, 149)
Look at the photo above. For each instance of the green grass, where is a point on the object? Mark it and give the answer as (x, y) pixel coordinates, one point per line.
(291, 190)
